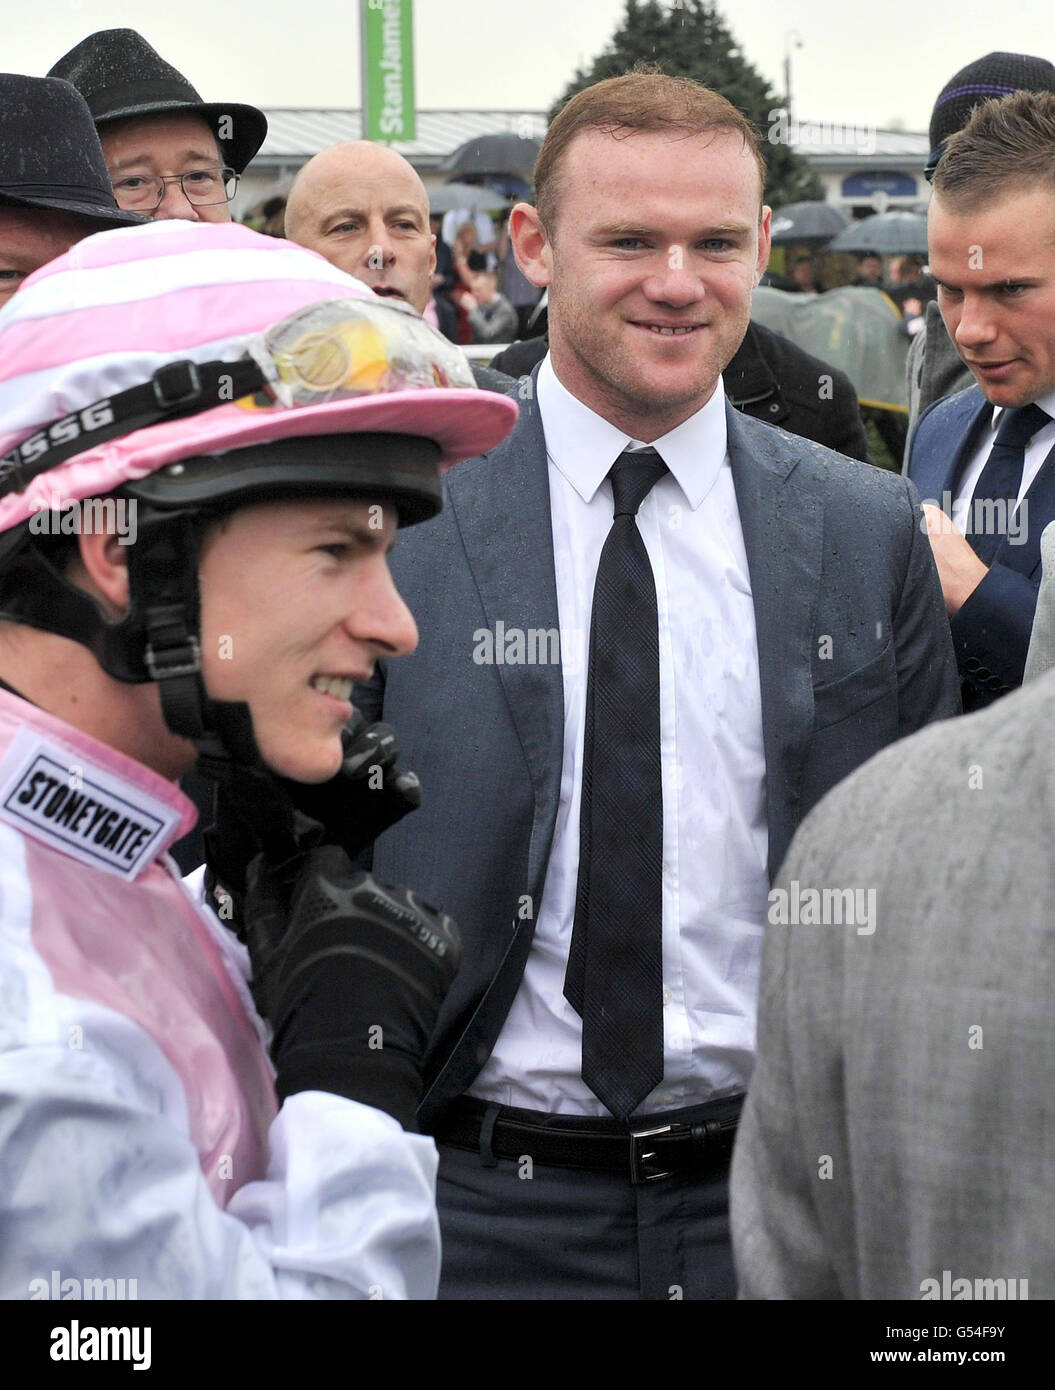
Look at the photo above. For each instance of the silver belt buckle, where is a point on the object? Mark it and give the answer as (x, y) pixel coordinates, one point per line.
(641, 1155)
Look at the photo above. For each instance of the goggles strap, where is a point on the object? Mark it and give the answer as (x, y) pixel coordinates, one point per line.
(175, 391)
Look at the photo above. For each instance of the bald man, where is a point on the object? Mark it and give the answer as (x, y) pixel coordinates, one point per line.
(364, 208)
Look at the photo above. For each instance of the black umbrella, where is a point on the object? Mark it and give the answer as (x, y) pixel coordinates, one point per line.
(494, 154)
(887, 233)
(801, 223)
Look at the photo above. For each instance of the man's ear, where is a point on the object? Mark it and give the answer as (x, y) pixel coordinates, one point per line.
(764, 243)
(432, 255)
(104, 561)
(531, 244)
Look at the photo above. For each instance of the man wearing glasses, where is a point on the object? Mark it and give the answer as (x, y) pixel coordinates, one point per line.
(170, 154)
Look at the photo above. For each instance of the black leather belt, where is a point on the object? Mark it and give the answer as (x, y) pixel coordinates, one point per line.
(652, 1148)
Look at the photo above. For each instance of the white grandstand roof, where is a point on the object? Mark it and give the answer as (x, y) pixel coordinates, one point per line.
(297, 133)
(828, 142)
(294, 134)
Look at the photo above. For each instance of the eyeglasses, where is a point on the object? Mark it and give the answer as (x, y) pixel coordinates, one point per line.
(202, 187)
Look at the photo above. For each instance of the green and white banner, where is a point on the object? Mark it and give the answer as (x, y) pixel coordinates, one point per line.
(388, 69)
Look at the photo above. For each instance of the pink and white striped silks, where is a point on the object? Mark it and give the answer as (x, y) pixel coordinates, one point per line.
(139, 1136)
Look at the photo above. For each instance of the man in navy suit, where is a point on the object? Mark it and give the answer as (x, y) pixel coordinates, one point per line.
(653, 633)
(984, 460)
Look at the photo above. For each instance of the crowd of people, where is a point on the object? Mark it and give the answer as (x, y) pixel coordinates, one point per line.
(548, 936)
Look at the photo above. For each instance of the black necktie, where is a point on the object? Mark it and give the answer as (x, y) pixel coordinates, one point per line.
(615, 963)
(1001, 478)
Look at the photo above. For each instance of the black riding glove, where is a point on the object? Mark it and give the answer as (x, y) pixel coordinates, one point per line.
(258, 811)
(351, 977)
(366, 796)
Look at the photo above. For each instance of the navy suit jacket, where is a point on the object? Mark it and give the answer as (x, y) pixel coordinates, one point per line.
(854, 652)
(991, 631)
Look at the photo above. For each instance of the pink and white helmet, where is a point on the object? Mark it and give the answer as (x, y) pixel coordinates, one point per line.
(194, 368)
(329, 358)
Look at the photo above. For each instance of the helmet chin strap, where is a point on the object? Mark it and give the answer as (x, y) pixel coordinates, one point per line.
(159, 639)
(164, 592)
(166, 611)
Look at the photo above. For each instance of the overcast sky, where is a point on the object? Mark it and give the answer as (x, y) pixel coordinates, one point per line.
(881, 63)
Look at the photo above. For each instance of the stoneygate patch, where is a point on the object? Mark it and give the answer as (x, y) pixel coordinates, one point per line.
(79, 808)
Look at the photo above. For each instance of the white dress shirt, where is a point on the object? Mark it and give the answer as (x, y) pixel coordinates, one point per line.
(715, 839)
(1036, 452)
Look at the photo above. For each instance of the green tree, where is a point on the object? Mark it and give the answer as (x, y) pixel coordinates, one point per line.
(689, 38)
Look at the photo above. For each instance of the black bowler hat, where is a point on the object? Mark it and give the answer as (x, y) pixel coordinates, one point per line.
(120, 75)
(50, 156)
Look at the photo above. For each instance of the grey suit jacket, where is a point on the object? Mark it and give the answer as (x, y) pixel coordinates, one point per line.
(854, 652)
(899, 1131)
(1041, 654)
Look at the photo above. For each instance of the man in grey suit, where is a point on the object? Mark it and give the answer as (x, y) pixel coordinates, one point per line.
(897, 1137)
(601, 816)
(1041, 654)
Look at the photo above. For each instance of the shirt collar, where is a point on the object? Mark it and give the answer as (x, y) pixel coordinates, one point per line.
(1046, 403)
(582, 445)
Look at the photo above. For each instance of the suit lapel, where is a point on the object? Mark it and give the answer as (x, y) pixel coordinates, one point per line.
(502, 509)
(938, 471)
(783, 526)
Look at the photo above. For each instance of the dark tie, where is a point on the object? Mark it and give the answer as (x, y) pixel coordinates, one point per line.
(1001, 479)
(615, 963)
